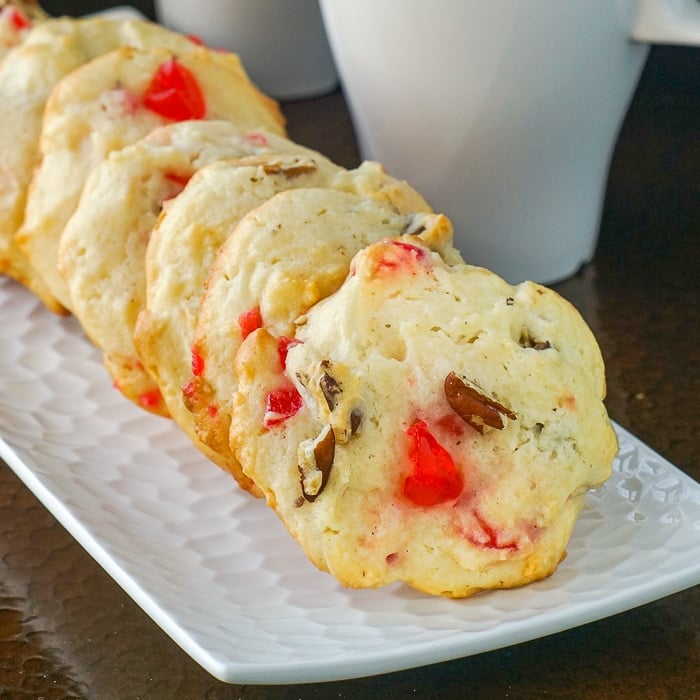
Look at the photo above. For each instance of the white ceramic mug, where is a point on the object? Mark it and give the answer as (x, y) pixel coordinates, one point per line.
(502, 113)
(282, 43)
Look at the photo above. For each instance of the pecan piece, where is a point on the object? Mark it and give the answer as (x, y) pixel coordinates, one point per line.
(330, 388)
(340, 393)
(315, 462)
(474, 407)
(415, 225)
(527, 341)
(289, 171)
(355, 420)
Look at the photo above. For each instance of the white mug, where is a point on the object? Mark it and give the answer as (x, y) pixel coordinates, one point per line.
(502, 113)
(282, 43)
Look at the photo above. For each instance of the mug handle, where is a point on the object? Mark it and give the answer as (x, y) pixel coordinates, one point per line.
(667, 22)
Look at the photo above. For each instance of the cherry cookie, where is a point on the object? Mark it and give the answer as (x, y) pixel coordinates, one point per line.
(282, 258)
(426, 423)
(114, 101)
(103, 246)
(50, 50)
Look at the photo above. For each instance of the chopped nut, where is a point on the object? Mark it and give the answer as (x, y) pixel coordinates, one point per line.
(475, 408)
(527, 341)
(339, 389)
(289, 171)
(355, 420)
(330, 389)
(332, 392)
(415, 225)
(315, 462)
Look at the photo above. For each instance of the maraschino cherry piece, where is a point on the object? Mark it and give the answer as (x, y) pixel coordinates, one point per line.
(399, 255)
(283, 345)
(16, 18)
(197, 361)
(281, 404)
(174, 93)
(151, 399)
(435, 478)
(250, 321)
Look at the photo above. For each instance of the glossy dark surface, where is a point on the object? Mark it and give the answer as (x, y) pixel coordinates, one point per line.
(67, 630)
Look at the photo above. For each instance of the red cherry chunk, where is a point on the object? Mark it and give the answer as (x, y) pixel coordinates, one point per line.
(435, 478)
(174, 93)
(197, 361)
(173, 185)
(487, 535)
(257, 139)
(178, 179)
(283, 345)
(281, 404)
(400, 255)
(16, 18)
(189, 389)
(250, 321)
(151, 399)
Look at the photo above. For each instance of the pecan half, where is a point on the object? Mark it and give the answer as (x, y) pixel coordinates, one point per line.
(474, 407)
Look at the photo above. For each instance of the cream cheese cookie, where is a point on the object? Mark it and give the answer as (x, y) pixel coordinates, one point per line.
(27, 74)
(282, 258)
(113, 101)
(103, 246)
(49, 51)
(427, 423)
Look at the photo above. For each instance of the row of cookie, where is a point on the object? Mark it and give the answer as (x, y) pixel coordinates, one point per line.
(78, 92)
(408, 416)
(136, 274)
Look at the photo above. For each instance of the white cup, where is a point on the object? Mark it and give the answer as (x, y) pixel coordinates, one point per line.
(282, 43)
(502, 113)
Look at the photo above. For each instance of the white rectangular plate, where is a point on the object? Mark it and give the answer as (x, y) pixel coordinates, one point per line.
(218, 572)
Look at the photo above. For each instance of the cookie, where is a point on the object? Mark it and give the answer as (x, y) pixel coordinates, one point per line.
(282, 258)
(49, 51)
(27, 74)
(102, 249)
(111, 102)
(427, 424)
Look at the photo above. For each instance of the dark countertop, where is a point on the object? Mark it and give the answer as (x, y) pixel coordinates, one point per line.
(68, 630)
